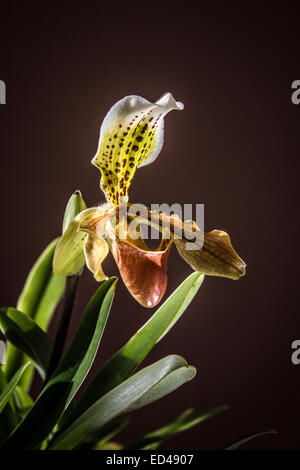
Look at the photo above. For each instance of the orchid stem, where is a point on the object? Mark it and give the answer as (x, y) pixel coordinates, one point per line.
(63, 320)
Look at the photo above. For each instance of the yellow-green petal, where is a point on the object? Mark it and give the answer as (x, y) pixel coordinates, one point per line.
(216, 258)
(93, 220)
(131, 136)
(96, 250)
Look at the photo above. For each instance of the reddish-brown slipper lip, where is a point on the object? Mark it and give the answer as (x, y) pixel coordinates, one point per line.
(144, 272)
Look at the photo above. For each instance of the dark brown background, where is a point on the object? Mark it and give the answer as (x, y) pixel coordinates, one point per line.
(235, 148)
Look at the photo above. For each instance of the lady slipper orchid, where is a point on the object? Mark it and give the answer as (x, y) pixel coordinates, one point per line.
(131, 136)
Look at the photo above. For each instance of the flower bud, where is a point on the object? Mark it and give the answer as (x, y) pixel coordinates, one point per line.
(69, 255)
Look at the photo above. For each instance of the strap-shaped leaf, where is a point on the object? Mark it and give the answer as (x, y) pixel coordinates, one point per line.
(8, 390)
(188, 419)
(121, 365)
(37, 281)
(239, 442)
(23, 402)
(8, 417)
(121, 398)
(98, 440)
(40, 420)
(38, 300)
(69, 374)
(167, 385)
(25, 335)
(78, 359)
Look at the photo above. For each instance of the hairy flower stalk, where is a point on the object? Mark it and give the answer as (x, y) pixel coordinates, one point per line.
(131, 136)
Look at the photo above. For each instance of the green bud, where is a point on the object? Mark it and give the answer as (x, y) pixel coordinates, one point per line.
(75, 205)
(69, 255)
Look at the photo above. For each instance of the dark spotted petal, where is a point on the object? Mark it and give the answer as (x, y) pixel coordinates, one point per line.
(131, 136)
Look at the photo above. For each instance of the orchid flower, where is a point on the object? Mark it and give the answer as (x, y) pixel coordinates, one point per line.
(131, 136)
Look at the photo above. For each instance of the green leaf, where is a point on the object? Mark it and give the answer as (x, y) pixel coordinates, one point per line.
(167, 385)
(49, 300)
(71, 371)
(235, 444)
(6, 394)
(3, 381)
(188, 419)
(38, 300)
(8, 418)
(99, 439)
(23, 402)
(122, 364)
(37, 282)
(122, 397)
(40, 420)
(25, 335)
(77, 361)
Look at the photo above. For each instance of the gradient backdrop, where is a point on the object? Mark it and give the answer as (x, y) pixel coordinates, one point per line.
(234, 148)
